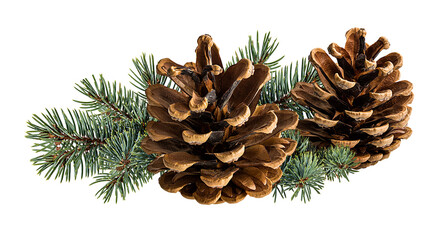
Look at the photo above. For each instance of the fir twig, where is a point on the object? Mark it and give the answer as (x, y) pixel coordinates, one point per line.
(68, 141)
(146, 75)
(258, 54)
(302, 174)
(84, 142)
(338, 162)
(112, 99)
(126, 165)
(307, 169)
(278, 89)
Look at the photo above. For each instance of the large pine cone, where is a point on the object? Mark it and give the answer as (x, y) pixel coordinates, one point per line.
(213, 141)
(361, 104)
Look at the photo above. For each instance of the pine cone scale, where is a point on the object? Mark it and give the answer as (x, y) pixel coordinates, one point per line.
(326, 69)
(205, 194)
(165, 146)
(235, 73)
(249, 88)
(216, 178)
(374, 50)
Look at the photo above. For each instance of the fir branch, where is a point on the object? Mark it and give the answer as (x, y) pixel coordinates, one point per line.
(112, 99)
(303, 174)
(258, 54)
(126, 163)
(146, 75)
(303, 143)
(278, 89)
(84, 143)
(338, 162)
(309, 166)
(68, 141)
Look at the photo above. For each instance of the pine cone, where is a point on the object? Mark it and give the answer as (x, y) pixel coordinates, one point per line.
(213, 141)
(362, 104)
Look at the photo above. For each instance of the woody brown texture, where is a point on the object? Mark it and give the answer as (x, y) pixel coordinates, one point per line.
(212, 141)
(362, 104)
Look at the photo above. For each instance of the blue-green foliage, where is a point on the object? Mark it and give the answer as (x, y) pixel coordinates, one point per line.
(69, 142)
(146, 75)
(309, 167)
(302, 173)
(278, 89)
(112, 99)
(125, 164)
(258, 53)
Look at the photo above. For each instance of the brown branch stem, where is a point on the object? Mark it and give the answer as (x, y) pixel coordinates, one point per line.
(111, 106)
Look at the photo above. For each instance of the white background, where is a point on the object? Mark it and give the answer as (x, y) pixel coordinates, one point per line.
(48, 46)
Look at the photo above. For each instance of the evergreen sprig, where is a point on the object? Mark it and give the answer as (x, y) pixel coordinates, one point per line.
(278, 89)
(146, 75)
(259, 54)
(126, 164)
(309, 167)
(96, 140)
(112, 99)
(69, 142)
(302, 174)
(338, 162)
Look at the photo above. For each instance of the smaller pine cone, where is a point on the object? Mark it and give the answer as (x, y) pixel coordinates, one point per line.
(362, 103)
(213, 142)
